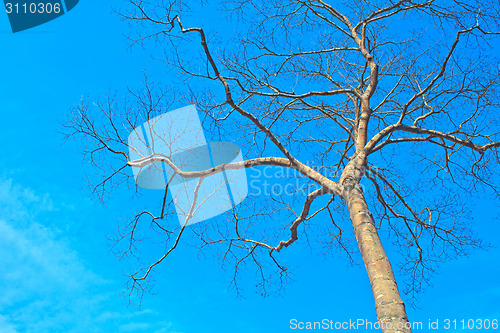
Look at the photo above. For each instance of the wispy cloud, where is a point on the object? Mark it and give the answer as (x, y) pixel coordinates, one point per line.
(46, 287)
(6, 326)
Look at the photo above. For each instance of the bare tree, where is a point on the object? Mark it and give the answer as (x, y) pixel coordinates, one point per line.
(397, 98)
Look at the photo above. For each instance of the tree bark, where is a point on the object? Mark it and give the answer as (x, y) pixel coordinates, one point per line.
(390, 308)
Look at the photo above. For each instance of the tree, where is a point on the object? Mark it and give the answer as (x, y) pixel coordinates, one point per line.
(393, 103)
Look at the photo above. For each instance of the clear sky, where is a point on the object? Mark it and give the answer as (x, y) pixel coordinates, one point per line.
(57, 270)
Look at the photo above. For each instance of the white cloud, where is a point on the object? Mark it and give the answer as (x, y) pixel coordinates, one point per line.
(134, 327)
(46, 287)
(6, 326)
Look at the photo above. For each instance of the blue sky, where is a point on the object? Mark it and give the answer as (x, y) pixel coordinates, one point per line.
(58, 272)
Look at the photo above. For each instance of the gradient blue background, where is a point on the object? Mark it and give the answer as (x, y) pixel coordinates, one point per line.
(57, 272)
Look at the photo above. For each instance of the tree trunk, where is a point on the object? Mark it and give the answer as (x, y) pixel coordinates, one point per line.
(390, 308)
